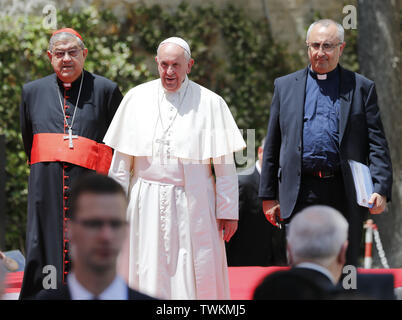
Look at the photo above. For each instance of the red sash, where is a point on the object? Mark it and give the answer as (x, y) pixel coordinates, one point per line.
(52, 147)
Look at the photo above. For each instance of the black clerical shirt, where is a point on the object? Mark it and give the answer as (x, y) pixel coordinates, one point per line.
(321, 122)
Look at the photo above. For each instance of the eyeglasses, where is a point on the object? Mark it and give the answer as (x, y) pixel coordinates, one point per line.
(98, 224)
(72, 53)
(326, 47)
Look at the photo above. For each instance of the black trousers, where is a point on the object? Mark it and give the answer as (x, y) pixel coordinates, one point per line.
(331, 192)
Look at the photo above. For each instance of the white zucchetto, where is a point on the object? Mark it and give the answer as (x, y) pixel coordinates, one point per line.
(179, 41)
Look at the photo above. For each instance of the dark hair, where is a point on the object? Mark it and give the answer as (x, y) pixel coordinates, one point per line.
(93, 183)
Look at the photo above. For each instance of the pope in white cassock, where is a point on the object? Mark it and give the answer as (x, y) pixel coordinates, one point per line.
(166, 133)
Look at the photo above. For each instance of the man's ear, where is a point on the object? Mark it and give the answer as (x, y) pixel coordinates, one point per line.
(342, 253)
(190, 65)
(85, 52)
(49, 54)
(341, 48)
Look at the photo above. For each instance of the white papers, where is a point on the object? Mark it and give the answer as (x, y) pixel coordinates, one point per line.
(363, 183)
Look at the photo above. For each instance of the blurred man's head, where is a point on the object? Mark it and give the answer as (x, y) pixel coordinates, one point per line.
(98, 222)
(318, 234)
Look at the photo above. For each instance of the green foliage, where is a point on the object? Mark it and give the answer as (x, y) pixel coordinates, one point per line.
(235, 56)
(110, 54)
(254, 61)
(21, 58)
(349, 59)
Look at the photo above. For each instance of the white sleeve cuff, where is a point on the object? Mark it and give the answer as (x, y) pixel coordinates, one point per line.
(227, 197)
(120, 169)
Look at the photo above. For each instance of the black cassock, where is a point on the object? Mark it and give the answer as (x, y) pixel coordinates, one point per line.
(49, 182)
(256, 242)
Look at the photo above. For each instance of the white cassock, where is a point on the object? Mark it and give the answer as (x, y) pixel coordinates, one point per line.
(164, 144)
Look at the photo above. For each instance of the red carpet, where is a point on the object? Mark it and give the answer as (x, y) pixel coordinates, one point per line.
(14, 281)
(243, 280)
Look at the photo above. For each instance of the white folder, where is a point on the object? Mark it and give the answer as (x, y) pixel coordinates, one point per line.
(363, 182)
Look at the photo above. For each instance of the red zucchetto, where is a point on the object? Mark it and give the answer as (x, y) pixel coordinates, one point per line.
(68, 30)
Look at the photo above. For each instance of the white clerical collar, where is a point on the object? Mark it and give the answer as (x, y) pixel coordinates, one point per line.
(333, 74)
(68, 85)
(181, 90)
(317, 267)
(322, 76)
(318, 76)
(117, 290)
(258, 166)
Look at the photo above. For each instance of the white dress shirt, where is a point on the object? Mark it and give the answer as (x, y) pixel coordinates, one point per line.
(258, 166)
(117, 290)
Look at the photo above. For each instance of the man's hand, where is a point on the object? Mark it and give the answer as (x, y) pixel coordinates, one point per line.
(229, 227)
(379, 203)
(271, 210)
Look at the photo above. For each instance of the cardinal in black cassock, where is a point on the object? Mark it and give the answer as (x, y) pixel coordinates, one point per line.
(64, 118)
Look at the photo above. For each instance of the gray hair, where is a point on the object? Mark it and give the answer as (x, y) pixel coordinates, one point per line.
(186, 54)
(326, 23)
(317, 234)
(64, 36)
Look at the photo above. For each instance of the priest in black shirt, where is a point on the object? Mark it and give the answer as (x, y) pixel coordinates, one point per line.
(64, 118)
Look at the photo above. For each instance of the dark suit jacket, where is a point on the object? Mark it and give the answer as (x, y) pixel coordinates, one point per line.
(256, 242)
(372, 287)
(296, 284)
(361, 138)
(63, 293)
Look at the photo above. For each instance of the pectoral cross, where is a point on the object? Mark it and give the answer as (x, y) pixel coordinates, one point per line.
(70, 138)
(162, 142)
